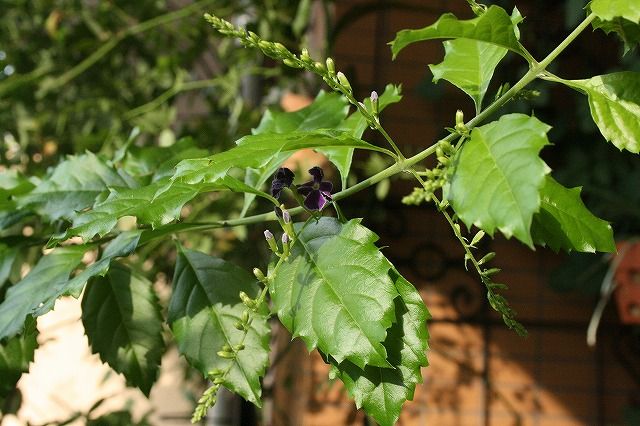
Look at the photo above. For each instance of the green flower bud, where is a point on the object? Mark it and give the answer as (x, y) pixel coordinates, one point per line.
(218, 381)
(331, 67)
(343, 81)
(239, 347)
(259, 275)
(304, 56)
(293, 63)
(487, 257)
(226, 355)
(247, 301)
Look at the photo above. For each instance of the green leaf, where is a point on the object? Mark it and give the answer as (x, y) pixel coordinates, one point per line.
(49, 280)
(7, 258)
(156, 204)
(498, 176)
(382, 391)
(564, 222)
(335, 293)
(629, 32)
(256, 151)
(355, 125)
(494, 26)
(16, 354)
(204, 307)
(122, 320)
(469, 65)
(73, 185)
(614, 100)
(12, 184)
(157, 162)
(42, 285)
(610, 9)
(327, 111)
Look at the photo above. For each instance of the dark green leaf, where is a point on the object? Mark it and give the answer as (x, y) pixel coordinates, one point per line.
(614, 100)
(494, 26)
(498, 175)
(41, 287)
(123, 245)
(204, 307)
(121, 317)
(73, 185)
(565, 223)
(49, 279)
(382, 391)
(16, 353)
(335, 293)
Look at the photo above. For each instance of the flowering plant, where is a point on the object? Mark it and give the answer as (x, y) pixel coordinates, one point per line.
(357, 310)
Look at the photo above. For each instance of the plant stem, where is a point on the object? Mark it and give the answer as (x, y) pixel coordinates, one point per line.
(107, 47)
(402, 165)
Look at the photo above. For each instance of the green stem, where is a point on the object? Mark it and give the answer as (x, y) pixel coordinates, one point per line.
(401, 164)
(107, 47)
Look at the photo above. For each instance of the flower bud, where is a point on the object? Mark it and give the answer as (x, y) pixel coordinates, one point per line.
(218, 381)
(292, 63)
(331, 67)
(285, 238)
(271, 241)
(215, 372)
(239, 325)
(304, 56)
(239, 347)
(342, 79)
(259, 275)
(247, 301)
(374, 102)
(487, 257)
(226, 355)
(286, 216)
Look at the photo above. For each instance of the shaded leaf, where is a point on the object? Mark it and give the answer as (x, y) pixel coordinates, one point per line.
(498, 176)
(614, 100)
(41, 286)
(122, 320)
(50, 279)
(73, 185)
(204, 307)
(494, 26)
(326, 295)
(382, 391)
(16, 353)
(565, 223)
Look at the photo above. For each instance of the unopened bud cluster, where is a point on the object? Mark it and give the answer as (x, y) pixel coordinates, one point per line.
(435, 178)
(336, 80)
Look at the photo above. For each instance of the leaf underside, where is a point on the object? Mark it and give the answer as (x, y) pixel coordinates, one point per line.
(614, 101)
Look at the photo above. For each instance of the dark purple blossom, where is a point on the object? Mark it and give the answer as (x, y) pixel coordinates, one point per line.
(282, 179)
(316, 192)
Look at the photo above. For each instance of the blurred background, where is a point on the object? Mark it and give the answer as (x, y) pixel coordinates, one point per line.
(95, 75)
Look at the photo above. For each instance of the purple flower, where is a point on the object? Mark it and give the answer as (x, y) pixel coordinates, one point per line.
(316, 192)
(282, 179)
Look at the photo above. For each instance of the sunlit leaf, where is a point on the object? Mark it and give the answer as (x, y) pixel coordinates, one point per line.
(73, 185)
(494, 26)
(382, 391)
(565, 223)
(498, 175)
(614, 100)
(335, 293)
